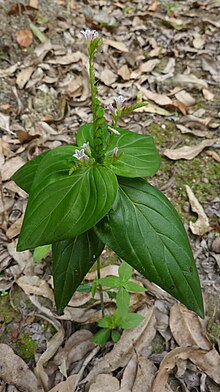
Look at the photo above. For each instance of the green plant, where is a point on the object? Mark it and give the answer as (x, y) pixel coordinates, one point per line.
(84, 196)
(121, 318)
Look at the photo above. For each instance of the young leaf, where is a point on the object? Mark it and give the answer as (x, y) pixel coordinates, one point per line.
(134, 287)
(131, 320)
(115, 335)
(122, 301)
(140, 157)
(105, 322)
(84, 288)
(101, 337)
(24, 176)
(41, 252)
(144, 229)
(72, 259)
(62, 206)
(110, 281)
(125, 271)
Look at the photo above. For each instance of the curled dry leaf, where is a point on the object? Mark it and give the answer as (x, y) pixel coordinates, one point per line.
(187, 328)
(116, 44)
(124, 72)
(24, 38)
(10, 167)
(68, 385)
(35, 285)
(190, 81)
(129, 374)
(185, 97)
(196, 132)
(145, 374)
(201, 226)
(214, 155)
(15, 228)
(108, 77)
(24, 76)
(14, 371)
(189, 152)
(160, 99)
(207, 94)
(105, 383)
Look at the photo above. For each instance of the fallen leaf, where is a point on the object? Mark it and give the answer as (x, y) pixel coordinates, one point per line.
(146, 67)
(145, 374)
(8, 71)
(108, 77)
(68, 385)
(116, 44)
(185, 97)
(10, 167)
(190, 81)
(124, 72)
(24, 38)
(153, 6)
(111, 269)
(201, 226)
(69, 58)
(198, 41)
(196, 132)
(24, 76)
(15, 228)
(160, 99)
(189, 152)
(14, 371)
(34, 4)
(35, 285)
(4, 123)
(187, 328)
(214, 155)
(207, 94)
(105, 383)
(129, 374)
(180, 106)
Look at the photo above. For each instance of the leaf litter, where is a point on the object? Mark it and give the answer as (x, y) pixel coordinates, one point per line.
(159, 50)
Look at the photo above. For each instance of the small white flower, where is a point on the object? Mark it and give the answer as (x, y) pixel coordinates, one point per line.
(86, 148)
(80, 155)
(115, 152)
(114, 130)
(89, 34)
(119, 101)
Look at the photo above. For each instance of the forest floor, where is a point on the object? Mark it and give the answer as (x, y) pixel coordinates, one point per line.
(168, 53)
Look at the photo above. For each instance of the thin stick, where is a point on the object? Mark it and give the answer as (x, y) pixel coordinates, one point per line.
(100, 288)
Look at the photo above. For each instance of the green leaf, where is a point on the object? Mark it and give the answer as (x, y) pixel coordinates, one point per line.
(25, 175)
(41, 252)
(140, 157)
(122, 301)
(101, 337)
(105, 322)
(72, 259)
(144, 229)
(132, 320)
(85, 134)
(84, 288)
(63, 206)
(115, 335)
(134, 287)
(125, 271)
(109, 281)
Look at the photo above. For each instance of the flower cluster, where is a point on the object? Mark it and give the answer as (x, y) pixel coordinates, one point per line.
(90, 34)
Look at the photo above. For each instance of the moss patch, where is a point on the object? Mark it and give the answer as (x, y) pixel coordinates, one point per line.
(26, 347)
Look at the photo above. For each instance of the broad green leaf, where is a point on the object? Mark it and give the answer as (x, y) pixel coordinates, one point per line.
(101, 337)
(84, 288)
(140, 157)
(25, 175)
(144, 229)
(132, 320)
(85, 134)
(40, 252)
(109, 281)
(122, 301)
(125, 271)
(115, 335)
(63, 206)
(134, 287)
(72, 259)
(105, 322)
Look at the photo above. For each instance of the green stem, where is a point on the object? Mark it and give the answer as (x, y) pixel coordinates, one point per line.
(92, 86)
(100, 288)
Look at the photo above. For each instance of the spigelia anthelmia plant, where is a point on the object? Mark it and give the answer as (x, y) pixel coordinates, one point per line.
(95, 193)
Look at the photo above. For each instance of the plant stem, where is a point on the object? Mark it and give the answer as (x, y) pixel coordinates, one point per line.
(100, 288)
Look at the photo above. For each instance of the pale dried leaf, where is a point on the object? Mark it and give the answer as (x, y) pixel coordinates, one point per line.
(122, 352)
(185, 97)
(160, 99)
(8, 71)
(4, 123)
(35, 285)
(196, 132)
(214, 155)
(13, 370)
(207, 94)
(68, 385)
(145, 374)
(69, 58)
(124, 72)
(201, 226)
(187, 328)
(79, 299)
(189, 152)
(11, 166)
(198, 41)
(190, 81)
(24, 76)
(116, 44)
(146, 67)
(108, 77)
(105, 383)
(129, 374)
(15, 228)
(111, 269)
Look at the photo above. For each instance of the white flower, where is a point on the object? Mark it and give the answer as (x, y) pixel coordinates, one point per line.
(86, 148)
(80, 155)
(119, 101)
(89, 34)
(115, 152)
(114, 130)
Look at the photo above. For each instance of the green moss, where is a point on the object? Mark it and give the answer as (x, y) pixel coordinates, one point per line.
(25, 346)
(157, 344)
(7, 313)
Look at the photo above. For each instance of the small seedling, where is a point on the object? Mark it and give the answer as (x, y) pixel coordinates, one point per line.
(93, 193)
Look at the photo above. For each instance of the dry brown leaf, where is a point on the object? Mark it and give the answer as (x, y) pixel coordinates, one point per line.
(34, 4)
(198, 41)
(129, 374)
(201, 226)
(24, 76)
(4, 123)
(10, 167)
(35, 285)
(153, 6)
(189, 152)
(187, 328)
(8, 71)
(24, 38)
(196, 132)
(176, 104)
(108, 77)
(124, 72)
(134, 339)
(116, 44)
(105, 383)
(15, 228)
(190, 81)
(160, 99)
(111, 269)
(214, 155)
(68, 385)
(185, 97)
(145, 374)
(14, 371)
(207, 94)
(69, 58)
(146, 67)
